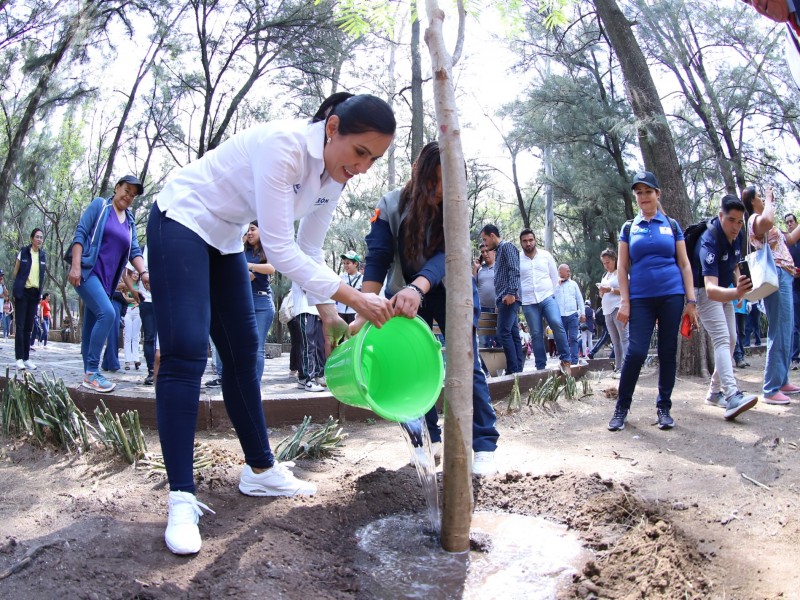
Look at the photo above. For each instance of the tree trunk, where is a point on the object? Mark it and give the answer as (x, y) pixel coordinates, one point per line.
(417, 109)
(457, 504)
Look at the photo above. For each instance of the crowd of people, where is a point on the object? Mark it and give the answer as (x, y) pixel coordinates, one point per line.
(223, 225)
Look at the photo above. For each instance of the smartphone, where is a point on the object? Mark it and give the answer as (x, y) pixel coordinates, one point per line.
(686, 327)
(744, 268)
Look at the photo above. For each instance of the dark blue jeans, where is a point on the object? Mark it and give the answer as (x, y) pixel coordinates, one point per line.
(192, 280)
(148, 317)
(571, 327)
(667, 310)
(484, 431)
(796, 329)
(508, 336)
(265, 312)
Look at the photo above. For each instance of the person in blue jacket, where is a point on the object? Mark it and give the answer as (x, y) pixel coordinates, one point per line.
(29, 270)
(406, 242)
(105, 240)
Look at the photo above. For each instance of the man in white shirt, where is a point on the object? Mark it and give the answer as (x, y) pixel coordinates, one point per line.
(570, 303)
(538, 280)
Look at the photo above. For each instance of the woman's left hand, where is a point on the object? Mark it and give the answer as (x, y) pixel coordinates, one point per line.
(145, 279)
(406, 303)
(691, 310)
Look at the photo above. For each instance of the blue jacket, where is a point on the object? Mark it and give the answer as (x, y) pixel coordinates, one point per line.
(25, 270)
(384, 258)
(89, 234)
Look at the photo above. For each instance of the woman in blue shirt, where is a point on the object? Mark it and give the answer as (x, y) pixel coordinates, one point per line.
(652, 251)
(260, 270)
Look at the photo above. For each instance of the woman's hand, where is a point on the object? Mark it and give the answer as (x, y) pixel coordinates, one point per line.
(406, 303)
(691, 310)
(624, 312)
(74, 276)
(144, 278)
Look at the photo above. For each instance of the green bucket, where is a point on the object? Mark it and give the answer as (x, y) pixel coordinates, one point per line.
(395, 371)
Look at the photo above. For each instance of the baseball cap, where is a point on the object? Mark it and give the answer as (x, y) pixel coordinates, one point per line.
(351, 255)
(647, 178)
(133, 180)
(588, 303)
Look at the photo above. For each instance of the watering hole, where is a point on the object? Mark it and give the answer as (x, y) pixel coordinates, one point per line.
(519, 557)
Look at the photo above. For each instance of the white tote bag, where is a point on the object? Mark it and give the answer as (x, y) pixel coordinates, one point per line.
(763, 273)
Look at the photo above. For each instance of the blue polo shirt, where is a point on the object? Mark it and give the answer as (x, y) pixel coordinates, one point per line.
(651, 245)
(718, 256)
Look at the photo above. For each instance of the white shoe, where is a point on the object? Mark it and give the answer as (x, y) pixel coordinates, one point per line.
(277, 481)
(436, 448)
(313, 386)
(182, 535)
(20, 364)
(483, 464)
(321, 381)
(29, 365)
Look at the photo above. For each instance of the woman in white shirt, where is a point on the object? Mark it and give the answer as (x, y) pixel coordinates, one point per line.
(278, 173)
(609, 293)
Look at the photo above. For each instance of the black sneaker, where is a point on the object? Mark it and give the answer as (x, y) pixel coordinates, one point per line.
(740, 364)
(617, 422)
(214, 383)
(149, 379)
(664, 420)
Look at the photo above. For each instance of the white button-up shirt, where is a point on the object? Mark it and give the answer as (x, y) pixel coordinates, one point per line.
(569, 298)
(274, 172)
(538, 276)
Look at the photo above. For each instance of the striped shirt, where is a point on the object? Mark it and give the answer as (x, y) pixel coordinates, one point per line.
(506, 271)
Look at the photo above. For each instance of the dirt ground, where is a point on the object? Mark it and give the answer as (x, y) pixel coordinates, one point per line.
(666, 514)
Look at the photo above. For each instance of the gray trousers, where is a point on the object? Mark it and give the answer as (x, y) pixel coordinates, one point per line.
(719, 321)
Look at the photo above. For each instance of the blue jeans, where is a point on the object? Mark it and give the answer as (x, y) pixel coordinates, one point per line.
(99, 316)
(265, 312)
(111, 354)
(667, 310)
(570, 323)
(148, 317)
(192, 280)
(534, 313)
(780, 314)
(7, 324)
(484, 431)
(508, 336)
(738, 350)
(753, 326)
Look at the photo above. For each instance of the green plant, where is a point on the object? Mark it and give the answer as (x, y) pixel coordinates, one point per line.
(310, 442)
(44, 409)
(203, 458)
(122, 432)
(514, 398)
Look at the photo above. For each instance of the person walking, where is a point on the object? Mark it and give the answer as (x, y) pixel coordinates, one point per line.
(352, 277)
(131, 333)
(780, 304)
(8, 318)
(790, 220)
(406, 248)
(278, 172)
(611, 299)
(104, 241)
(718, 252)
(587, 329)
(44, 319)
(29, 272)
(507, 299)
(653, 251)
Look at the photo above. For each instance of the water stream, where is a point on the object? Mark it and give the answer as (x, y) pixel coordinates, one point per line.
(418, 439)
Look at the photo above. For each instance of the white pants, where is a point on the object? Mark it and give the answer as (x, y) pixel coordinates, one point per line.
(133, 330)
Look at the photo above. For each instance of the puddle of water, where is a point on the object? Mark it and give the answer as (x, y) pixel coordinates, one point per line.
(522, 558)
(418, 440)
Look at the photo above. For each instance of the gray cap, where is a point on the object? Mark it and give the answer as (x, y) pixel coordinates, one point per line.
(133, 180)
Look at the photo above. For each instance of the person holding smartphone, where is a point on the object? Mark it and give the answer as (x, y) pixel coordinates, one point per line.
(717, 258)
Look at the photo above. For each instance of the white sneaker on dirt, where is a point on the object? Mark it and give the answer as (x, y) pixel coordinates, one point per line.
(29, 365)
(182, 535)
(20, 364)
(483, 464)
(277, 481)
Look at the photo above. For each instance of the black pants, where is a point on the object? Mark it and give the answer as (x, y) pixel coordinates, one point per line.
(26, 308)
(148, 316)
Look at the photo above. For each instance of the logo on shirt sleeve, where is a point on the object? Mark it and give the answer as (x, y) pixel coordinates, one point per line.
(710, 258)
(296, 188)
(375, 215)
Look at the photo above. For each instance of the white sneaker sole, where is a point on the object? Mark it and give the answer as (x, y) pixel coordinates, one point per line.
(258, 491)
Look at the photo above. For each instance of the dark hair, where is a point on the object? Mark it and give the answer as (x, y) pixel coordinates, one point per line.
(730, 202)
(45, 296)
(526, 231)
(609, 253)
(258, 249)
(33, 233)
(357, 114)
(787, 215)
(426, 236)
(748, 195)
(491, 229)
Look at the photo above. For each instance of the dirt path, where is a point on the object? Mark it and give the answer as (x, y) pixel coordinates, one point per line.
(666, 514)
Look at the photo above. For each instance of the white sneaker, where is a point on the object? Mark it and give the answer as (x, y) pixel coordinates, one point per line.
(483, 464)
(29, 365)
(321, 381)
(182, 535)
(436, 448)
(20, 364)
(277, 481)
(313, 386)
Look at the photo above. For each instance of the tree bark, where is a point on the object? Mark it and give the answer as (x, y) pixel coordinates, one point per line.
(457, 503)
(417, 109)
